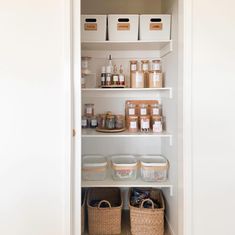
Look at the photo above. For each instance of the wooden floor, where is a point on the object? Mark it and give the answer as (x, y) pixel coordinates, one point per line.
(126, 225)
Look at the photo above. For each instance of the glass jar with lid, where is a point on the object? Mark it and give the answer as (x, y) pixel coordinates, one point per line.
(156, 65)
(84, 122)
(155, 109)
(93, 122)
(101, 121)
(133, 123)
(145, 123)
(110, 122)
(143, 109)
(133, 66)
(137, 79)
(155, 79)
(119, 121)
(131, 109)
(157, 124)
(89, 110)
(145, 69)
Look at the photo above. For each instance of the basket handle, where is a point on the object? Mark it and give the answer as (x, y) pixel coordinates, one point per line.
(147, 200)
(104, 201)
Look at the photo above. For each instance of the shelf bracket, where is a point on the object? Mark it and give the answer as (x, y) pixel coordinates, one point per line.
(171, 140)
(171, 93)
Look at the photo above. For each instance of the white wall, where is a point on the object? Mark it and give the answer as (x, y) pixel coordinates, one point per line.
(213, 117)
(33, 117)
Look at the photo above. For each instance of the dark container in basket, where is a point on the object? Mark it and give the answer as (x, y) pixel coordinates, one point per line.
(145, 221)
(105, 218)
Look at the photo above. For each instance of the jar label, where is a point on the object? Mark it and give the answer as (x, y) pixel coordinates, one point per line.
(115, 78)
(157, 127)
(155, 111)
(121, 78)
(108, 78)
(144, 124)
(94, 122)
(156, 77)
(84, 64)
(143, 111)
(133, 67)
(131, 111)
(84, 122)
(103, 78)
(156, 66)
(133, 125)
(89, 110)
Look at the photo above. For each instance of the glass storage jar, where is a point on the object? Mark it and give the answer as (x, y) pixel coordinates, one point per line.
(84, 122)
(155, 109)
(119, 121)
(137, 79)
(133, 124)
(101, 121)
(143, 109)
(157, 124)
(155, 79)
(145, 123)
(145, 69)
(133, 65)
(156, 65)
(93, 122)
(131, 109)
(89, 110)
(110, 122)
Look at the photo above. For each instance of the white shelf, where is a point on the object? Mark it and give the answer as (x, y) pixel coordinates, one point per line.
(164, 46)
(127, 92)
(92, 133)
(109, 182)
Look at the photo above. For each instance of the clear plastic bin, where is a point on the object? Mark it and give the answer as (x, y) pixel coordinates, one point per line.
(154, 168)
(124, 167)
(94, 167)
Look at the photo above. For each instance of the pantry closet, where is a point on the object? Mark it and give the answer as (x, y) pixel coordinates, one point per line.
(167, 143)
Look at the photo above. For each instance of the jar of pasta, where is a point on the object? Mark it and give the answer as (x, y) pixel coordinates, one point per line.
(157, 124)
(155, 109)
(132, 122)
(143, 109)
(145, 123)
(131, 109)
(137, 79)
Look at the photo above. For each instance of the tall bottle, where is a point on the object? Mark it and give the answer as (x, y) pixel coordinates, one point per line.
(121, 76)
(115, 76)
(103, 76)
(110, 63)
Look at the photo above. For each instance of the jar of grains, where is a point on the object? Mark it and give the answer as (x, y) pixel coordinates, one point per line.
(131, 109)
(132, 122)
(145, 123)
(101, 121)
(157, 124)
(156, 109)
(143, 109)
(145, 69)
(155, 79)
(137, 79)
(110, 122)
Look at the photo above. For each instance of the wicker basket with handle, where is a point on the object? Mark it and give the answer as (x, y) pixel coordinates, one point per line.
(107, 220)
(146, 221)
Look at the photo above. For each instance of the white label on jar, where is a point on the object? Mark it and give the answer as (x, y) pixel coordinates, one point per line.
(115, 78)
(145, 67)
(133, 125)
(108, 78)
(124, 173)
(157, 127)
(84, 64)
(139, 78)
(84, 122)
(131, 111)
(121, 78)
(89, 110)
(144, 124)
(143, 111)
(133, 67)
(156, 66)
(156, 77)
(94, 122)
(103, 78)
(155, 111)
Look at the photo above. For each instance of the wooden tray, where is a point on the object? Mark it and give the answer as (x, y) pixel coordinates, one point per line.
(109, 131)
(114, 86)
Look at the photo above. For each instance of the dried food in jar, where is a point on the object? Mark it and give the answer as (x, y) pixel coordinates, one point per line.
(133, 65)
(101, 121)
(131, 109)
(84, 122)
(93, 122)
(145, 123)
(110, 122)
(143, 109)
(133, 123)
(119, 121)
(137, 79)
(155, 79)
(157, 124)
(89, 110)
(145, 69)
(155, 109)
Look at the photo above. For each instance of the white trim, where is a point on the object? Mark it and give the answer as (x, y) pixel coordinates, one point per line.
(187, 118)
(68, 114)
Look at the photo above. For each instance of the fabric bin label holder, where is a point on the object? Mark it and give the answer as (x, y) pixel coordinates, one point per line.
(155, 24)
(90, 24)
(123, 24)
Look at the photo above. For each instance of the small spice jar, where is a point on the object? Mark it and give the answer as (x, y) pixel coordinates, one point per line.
(131, 109)
(110, 122)
(133, 65)
(145, 69)
(145, 123)
(93, 122)
(137, 79)
(101, 121)
(143, 109)
(89, 110)
(157, 124)
(133, 124)
(84, 122)
(156, 109)
(119, 121)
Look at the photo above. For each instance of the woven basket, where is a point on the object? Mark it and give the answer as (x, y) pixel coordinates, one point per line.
(103, 221)
(83, 212)
(146, 221)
